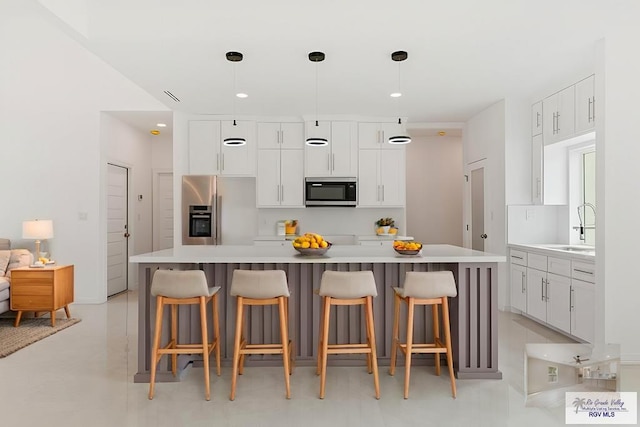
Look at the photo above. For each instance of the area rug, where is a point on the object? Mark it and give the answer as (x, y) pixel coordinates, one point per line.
(30, 330)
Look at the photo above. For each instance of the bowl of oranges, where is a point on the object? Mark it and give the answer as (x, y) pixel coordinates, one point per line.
(311, 244)
(407, 247)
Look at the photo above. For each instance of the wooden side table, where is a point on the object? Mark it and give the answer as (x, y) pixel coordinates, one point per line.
(41, 289)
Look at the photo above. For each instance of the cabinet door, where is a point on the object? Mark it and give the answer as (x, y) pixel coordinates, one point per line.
(585, 105)
(582, 310)
(392, 177)
(268, 136)
(204, 147)
(292, 135)
(291, 178)
(565, 119)
(343, 149)
(368, 185)
(318, 158)
(549, 112)
(558, 302)
(519, 287)
(391, 129)
(268, 190)
(238, 159)
(369, 135)
(536, 303)
(536, 119)
(537, 170)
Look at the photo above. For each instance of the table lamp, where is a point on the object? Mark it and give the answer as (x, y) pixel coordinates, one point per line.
(37, 229)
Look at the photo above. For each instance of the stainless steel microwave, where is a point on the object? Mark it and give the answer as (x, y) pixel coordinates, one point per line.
(330, 191)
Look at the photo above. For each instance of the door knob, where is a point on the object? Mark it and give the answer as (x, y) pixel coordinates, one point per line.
(483, 236)
(127, 234)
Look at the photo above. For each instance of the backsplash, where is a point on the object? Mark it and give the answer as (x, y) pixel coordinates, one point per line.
(534, 224)
(330, 220)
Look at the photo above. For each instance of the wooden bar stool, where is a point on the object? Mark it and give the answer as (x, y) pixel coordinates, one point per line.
(424, 288)
(174, 288)
(261, 288)
(347, 288)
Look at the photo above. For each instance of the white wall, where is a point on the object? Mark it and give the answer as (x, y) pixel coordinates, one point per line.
(52, 91)
(617, 154)
(162, 151)
(537, 224)
(435, 182)
(484, 138)
(518, 151)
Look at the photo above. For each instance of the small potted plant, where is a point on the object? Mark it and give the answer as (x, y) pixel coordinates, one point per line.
(384, 225)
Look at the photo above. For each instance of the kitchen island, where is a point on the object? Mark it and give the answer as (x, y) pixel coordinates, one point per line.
(473, 312)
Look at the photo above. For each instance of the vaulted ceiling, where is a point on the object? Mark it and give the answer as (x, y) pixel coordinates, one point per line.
(464, 55)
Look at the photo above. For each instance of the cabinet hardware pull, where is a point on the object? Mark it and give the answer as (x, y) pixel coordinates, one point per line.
(328, 162)
(524, 289)
(278, 192)
(594, 108)
(583, 271)
(589, 115)
(558, 122)
(333, 162)
(282, 193)
(382, 192)
(222, 161)
(542, 289)
(537, 119)
(516, 256)
(217, 161)
(571, 306)
(538, 187)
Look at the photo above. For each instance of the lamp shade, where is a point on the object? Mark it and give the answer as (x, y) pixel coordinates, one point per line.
(37, 229)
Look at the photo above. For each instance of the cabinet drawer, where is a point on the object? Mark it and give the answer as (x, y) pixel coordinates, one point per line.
(518, 257)
(31, 290)
(559, 266)
(539, 262)
(29, 302)
(584, 271)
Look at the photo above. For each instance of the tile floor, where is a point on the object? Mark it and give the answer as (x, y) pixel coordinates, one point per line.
(82, 376)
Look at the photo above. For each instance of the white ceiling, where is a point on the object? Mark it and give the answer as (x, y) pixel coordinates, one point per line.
(464, 55)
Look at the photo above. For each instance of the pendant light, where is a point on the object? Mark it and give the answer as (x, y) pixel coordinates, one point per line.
(235, 141)
(316, 141)
(399, 138)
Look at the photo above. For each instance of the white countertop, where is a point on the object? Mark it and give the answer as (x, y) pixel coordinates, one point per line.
(337, 254)
(555, 250)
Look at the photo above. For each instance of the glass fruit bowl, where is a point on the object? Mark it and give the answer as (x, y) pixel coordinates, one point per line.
(407, 247)
(313, 251)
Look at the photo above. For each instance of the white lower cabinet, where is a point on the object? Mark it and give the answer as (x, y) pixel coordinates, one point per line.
(558, 292)
(519, 287)
(583, 300)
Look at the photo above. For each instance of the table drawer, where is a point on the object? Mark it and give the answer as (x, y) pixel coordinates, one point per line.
(36, 290)
(559, 266)
(32, 274)
(518, 257)
(30, 303)
(539, 262)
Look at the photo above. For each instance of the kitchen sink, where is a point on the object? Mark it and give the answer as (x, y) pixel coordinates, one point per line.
(589, 250)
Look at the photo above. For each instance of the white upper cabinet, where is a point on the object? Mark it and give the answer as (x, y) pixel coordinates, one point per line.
(208, 155)
(536, 119)
(280, 135)
(238, 160)
(381, 178)
(537, 170)
(585, 105)
(204, 147)
(376, 135)
(559, 116)
(339, 158)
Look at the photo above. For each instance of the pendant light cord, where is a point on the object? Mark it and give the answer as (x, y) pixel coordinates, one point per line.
(234, 94)
(316, 93)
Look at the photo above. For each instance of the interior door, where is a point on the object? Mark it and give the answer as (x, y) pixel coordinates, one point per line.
(478, 235)
(163, 211)
(117, 229)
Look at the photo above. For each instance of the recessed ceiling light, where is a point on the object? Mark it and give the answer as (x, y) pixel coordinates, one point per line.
(161, 125)
(241, 95)
(396, 95)
(442, 133)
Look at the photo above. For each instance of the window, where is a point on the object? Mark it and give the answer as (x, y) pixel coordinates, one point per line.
(589, 195)
(552, 374)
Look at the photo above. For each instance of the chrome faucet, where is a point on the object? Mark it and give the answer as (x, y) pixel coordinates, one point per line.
(582, 219)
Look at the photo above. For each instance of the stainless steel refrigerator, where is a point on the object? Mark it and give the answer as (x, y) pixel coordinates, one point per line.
(200, 210)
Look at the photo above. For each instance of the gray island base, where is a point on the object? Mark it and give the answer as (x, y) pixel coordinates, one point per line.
(474, 320)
